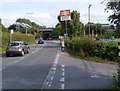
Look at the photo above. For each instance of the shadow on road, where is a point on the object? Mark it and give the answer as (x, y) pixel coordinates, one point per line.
(3, 55)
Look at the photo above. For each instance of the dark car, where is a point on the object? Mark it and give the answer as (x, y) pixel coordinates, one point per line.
(17, 47)
(41, 41)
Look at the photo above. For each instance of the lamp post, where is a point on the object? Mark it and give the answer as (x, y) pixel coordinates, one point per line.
(89, 17)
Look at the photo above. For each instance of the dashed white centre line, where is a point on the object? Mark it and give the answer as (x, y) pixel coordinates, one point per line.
(62, 65)
(62, 86)
(38, 49)
(63, 74)
(62, 69)
(62, 79)
(48, 81)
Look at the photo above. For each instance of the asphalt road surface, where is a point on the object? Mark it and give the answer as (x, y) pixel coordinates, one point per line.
(46, 67)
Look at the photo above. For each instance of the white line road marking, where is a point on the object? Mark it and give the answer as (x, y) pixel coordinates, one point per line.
(95, 76)
(62, 79)
(38, 49)
(104, 73)
(62, 65)
(15, 61)
(50, 84)
(47, 83)
(55, 62)
(3, 68)
(62, 69)
(35, 51)
(54, 72)
(63, 74)
(62, 86)
(54, 65)
(54, 68)
(50, 76)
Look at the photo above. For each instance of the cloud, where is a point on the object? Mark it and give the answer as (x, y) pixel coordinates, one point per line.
(46, 13)
(3, 1)
(43, 19)
(95, 18)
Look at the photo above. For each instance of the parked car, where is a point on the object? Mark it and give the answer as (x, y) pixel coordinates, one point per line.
(17, 47)
(41, 41)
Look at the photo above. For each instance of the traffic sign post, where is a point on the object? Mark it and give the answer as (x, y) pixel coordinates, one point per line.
(11, 32)
(65, 15)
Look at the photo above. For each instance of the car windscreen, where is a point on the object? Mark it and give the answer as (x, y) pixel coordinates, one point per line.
(13, 44)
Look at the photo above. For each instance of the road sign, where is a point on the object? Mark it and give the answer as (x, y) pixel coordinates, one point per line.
(65, 15)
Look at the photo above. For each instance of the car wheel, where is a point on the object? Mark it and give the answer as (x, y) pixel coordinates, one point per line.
(22, 53)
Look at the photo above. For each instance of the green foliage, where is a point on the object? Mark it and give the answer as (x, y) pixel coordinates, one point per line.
(116, 81)
(57, 30)
(33, 29)
(91, 48)
(16, 37)
(37, 36)
(2, 28)
(74, 26)
(115, 17)
(23, 37)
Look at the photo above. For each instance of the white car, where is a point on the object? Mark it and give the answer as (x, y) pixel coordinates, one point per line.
(17, 47)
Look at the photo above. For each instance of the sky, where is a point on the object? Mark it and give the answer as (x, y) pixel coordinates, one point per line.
(45, 12)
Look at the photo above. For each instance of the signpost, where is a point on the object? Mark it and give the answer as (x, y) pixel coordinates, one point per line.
(11, 32)
(65, 15)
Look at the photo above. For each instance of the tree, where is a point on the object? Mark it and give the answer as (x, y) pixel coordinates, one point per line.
(33, 27)
(57, 30)
(115, 17)
(2, 28)
(74, 26)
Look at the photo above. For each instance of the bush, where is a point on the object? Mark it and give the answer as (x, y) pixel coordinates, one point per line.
(92, 48)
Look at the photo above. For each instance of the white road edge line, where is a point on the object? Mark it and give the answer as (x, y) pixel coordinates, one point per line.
(39, 49)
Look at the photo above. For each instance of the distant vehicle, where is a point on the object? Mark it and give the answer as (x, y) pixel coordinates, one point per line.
(17, 47)
(41, 41)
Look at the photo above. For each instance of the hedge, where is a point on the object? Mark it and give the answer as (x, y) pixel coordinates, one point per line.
(88, 47)
(16, 37)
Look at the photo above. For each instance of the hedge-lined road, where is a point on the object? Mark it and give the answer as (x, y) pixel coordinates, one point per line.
(46, 67)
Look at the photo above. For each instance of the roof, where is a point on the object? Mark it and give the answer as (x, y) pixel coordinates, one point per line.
(47, 29)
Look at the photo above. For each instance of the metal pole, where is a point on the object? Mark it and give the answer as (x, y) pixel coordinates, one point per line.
(66, 29)
(89, 16)
(10, 37)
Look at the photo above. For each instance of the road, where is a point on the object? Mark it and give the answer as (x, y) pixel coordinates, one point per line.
(46, 67)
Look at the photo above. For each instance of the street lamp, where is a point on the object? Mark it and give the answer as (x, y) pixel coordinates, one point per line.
(89, 17)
